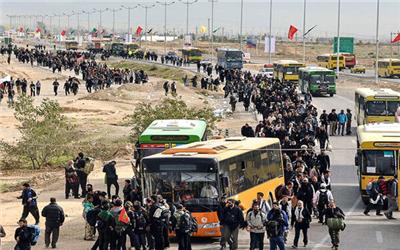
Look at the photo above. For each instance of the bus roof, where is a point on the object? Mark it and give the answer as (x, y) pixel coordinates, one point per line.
(389, 60)
(375, 135)
(287, 62)
(171, 127)
(220, 149)
(315, 69)
(383, 93)
(331, 54)
(228, 49)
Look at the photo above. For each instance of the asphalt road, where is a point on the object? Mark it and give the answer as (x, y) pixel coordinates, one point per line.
(362, 232)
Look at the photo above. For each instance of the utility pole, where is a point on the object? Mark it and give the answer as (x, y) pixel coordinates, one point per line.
(338, 41)
(212, 28)
(304, 31)
(165, 3)
(377, 41)
(113, 23)
(146, 7)
(241, 25)
(270, 33)
(129, 19)
(187, 13)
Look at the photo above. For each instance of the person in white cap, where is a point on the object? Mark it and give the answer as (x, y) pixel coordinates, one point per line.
(321, 200)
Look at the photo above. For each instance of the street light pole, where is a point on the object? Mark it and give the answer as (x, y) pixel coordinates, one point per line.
(187, 13)
(113, 24)
(377, 42)
(146, 7)
(270, 32)
(304, 31)
(338, 41)
(129, 19)
(212, 29)
(165, 3)
(241, 25)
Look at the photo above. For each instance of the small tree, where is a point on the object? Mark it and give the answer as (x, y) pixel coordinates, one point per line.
(145, 114)
(45, 134)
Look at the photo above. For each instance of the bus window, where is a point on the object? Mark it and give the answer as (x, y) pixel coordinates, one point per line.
(392, 107)
(330, 78)
(395, 63)
(316, 79)
(379, 162)
(376, 108)
(290, 70)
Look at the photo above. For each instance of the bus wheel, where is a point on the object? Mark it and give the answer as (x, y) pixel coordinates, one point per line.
(330, 95)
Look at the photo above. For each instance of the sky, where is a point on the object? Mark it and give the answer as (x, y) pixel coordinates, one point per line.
(358, 17)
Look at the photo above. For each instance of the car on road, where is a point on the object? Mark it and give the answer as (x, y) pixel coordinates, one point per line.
(267, 72)
(357, 69)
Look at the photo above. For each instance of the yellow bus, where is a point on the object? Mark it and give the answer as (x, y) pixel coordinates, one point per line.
(329, 61)
(287, 70)
(375, 105)
(378, 148)
(201, 173)
(389, 67)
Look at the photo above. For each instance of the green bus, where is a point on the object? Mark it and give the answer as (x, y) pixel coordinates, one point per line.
(164, 134)
(317, 80)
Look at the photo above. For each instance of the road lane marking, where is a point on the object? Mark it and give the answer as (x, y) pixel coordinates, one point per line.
(354, 142)
(379, 237)
(345, 184)
(326, 238)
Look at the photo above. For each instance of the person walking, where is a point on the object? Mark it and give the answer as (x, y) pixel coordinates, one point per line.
(348, 123)
(29, 202)
(88, 206)
(32, 88)
(166, 87)
(157, 220)
(38, 88)
(332, 119)
(231, 220)
(56, 84)
(277, 222)
(334, 218)
(80, 164)
(342, 120)
(301, 219)
(23, 236)
(182, 224)
(256, 220)
(392, 195)
(2, 234)
(232, 102)
(173, 88)
(71, 180)
(321, 201)
(54, 215)
(111, 177)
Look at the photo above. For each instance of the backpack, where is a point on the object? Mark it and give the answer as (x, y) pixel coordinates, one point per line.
(91, 216)
(369, 187)
(323, 199)
(273, 227)
(120, 226)
(34, 234)
(141, 221)
(89, 166)
(193, 224)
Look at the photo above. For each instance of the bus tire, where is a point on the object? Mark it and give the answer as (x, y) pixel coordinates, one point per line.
(331, 95)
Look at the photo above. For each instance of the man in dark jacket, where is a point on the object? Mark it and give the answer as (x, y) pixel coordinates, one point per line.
(23, 236)
(111, 177)
(54, 215)
(29, 202)
(334, 212)
(279, 218)
(80, 164)
(301, 219)
(231, 220)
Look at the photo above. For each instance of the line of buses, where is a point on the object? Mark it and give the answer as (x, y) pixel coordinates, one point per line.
(378, 135)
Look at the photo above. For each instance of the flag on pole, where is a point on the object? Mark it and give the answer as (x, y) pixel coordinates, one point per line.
(123, 216)
(63, 32)
(292, 31)
(203, 29)
(103, 31)
(139, 31)
(38, 30)
(268, 42)
(21, 29)
(308, 31)
(396, 39)
(94, 30)
(150, 30)
(216, 29)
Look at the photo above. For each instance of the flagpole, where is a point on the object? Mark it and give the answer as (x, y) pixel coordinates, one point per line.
(338, 41)
(241, 25)
(304, 30)
(377, 42)
(165, 3)
(270, 33)
(212, 29)
(146, 7)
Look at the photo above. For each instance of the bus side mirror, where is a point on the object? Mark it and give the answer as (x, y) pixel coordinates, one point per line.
(356, 160)
(225, 181)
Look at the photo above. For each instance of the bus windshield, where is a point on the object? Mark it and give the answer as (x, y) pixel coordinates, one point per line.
(376, 108)
(179, 180)
(379, 162)
(395, 63)
(234, 56)
(194, 52)
(290, 70)
(392, 107)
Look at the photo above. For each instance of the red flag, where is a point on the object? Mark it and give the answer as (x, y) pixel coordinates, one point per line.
(123, 216)
(38, 30)
(139, 31)
(396, 39)
(63, 33)
(21, 29)
(292, 31)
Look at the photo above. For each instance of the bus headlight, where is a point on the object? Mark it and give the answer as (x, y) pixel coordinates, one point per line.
(210, 225)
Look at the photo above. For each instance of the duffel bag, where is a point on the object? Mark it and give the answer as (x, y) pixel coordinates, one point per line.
(335, 223)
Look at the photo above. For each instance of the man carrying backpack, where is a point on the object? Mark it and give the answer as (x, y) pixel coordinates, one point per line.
(276, 226)
(140, 221)
(256, 220)
(231, 220)
(54, 215)
(375, 196)
(23, 236)
(29, 202)
(182, 223)
(334, 218)
(321, 201)
(392, 197)
(118, 236)
(158, 221)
